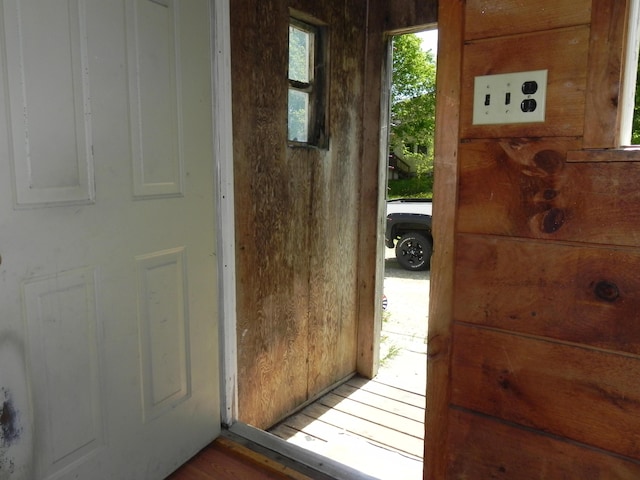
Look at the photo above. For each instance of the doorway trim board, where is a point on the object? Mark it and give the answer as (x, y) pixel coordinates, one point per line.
(225, 223)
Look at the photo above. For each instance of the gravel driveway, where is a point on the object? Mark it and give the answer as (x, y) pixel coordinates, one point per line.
(405, 324)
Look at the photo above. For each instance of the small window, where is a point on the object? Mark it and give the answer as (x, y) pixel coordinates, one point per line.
(630, 92)
(306, 122)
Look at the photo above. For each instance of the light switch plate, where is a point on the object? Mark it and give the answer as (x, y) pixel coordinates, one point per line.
(518, 97)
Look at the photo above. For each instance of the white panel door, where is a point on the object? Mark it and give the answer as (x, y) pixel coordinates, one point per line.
(108, 293)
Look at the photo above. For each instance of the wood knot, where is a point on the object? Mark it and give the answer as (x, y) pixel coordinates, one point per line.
(553, 220)
(549, 160)
(607, 291)
(437, 347)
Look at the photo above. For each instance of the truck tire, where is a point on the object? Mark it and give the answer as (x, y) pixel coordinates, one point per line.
(413, 251)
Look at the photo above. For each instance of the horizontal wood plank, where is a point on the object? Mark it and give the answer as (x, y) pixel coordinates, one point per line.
(388, 391)
(488, 18)
(588, 396)
(628, 154)
(373, 414)
(401, 14)
(482, 448)
(563, 53)
(383, 403)
(525, 188)
(308, 425)
(381, 435)
(580, 294)
(320, 431)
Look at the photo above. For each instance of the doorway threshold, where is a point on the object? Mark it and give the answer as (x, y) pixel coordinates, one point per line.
(275, 447)
(368, 425)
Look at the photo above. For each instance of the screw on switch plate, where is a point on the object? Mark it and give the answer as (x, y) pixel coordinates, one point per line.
(518, 97)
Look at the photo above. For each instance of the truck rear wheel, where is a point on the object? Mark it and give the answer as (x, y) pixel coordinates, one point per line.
(413, 251)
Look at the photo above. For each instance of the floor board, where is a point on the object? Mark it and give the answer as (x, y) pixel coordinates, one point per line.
(384, 403)
(226, 460)
(370, 425)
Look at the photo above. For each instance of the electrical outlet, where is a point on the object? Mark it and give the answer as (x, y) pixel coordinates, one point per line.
(518, 97)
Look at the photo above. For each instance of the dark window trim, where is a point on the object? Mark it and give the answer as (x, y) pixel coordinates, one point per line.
(317, 134)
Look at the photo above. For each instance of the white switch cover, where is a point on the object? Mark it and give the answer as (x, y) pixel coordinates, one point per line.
(518, 97)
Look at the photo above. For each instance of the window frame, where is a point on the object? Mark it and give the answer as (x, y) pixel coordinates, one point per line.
(315, 88)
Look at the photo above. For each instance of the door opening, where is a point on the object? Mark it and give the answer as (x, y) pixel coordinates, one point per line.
(376, 426)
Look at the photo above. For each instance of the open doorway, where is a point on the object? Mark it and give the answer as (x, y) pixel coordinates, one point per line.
(377, 426)
(409, 191)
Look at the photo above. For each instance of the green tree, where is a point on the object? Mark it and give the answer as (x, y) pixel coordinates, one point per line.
(635, 132)
(413, 94)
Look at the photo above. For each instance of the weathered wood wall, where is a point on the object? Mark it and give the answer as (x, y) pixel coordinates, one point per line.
(534, 355)
(297, 211)
(308, 221)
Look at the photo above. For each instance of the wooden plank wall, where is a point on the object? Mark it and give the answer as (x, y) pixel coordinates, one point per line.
(297, 211)
(536, 359)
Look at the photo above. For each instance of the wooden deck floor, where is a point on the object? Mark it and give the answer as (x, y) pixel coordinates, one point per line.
(371, 425)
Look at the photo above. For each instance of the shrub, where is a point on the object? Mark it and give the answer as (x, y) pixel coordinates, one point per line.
(422, 161)
(417, 187)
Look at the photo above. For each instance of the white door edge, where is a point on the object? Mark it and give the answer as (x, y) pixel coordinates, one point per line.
(223, 171)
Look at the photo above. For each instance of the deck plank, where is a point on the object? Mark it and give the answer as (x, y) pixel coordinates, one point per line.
(364, 410)
(385, 403)
(388, 391)
(369, 430)
(374, 415)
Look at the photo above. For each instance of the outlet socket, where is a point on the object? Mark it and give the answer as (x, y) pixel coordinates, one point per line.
(518, 97)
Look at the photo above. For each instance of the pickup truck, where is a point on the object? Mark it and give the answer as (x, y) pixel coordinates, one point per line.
(408, 230)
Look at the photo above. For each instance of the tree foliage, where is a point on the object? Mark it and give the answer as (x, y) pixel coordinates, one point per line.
(635, 132)
(413, 95)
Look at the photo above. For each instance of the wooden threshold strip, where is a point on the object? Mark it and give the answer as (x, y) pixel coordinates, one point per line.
(225, 459)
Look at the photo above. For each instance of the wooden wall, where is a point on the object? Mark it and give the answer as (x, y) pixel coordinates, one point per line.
(297, 211)
(534, 333)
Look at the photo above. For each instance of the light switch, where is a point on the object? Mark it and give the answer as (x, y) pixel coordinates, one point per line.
(518, 97)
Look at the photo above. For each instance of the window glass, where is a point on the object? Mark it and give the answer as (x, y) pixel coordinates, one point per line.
(306, 107)
(299, 54)
(298, 116)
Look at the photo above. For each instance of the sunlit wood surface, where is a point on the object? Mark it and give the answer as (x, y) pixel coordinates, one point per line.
(371, 425)
(226, 460)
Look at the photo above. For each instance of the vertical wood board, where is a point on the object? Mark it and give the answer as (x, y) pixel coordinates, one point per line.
(335, 207)
(450, 28)
(297, 213)
(270, 197)
(606, 61)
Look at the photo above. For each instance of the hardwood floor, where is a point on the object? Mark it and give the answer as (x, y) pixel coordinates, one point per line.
(225, 459)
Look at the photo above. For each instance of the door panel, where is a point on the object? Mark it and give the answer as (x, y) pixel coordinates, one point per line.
(108, 294)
